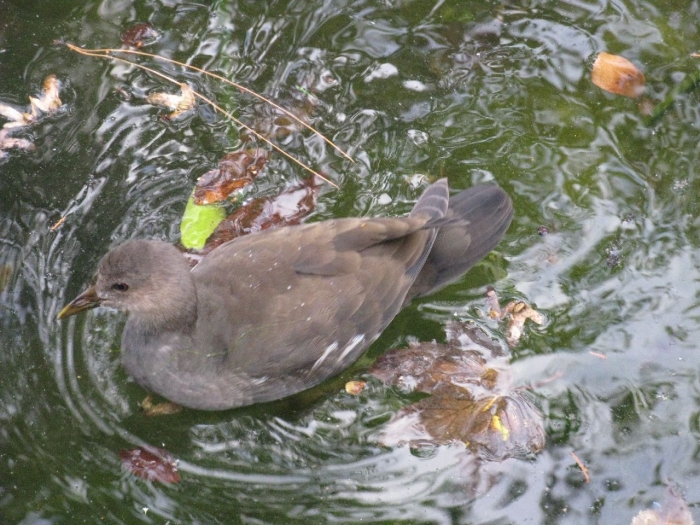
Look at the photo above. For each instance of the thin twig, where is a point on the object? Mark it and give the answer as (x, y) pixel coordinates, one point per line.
(582, 467)
(108, 52)
(99, 54)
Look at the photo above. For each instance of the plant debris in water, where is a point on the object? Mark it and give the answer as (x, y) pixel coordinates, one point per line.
(472, 399)
(140, 35)
(153, 464)
(198, 223)
(47, 103)
(178, 103)
(262, 213)
(517, 313)
(236, 170)
(617, 75)
(166, 408)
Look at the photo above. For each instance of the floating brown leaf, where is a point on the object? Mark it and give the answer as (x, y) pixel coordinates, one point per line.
(471, 400)
(139, 35)
(235, 171)
(179, 103)
(673, 511)
(617, 75)
(153, 464)
(285, 209)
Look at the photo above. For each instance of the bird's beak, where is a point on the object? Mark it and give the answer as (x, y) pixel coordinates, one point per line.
(85, 301)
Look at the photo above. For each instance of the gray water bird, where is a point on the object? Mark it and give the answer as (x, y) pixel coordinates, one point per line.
(278, 311)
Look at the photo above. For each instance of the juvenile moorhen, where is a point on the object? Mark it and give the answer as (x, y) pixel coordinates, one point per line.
(276, 312)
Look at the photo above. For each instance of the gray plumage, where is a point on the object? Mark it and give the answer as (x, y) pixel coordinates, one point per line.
(270, 314)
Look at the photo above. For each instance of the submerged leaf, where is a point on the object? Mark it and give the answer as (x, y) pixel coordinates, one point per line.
(139, 35)
(471, 401)
(153, 464)
(236, 170)
(617, 75)
(198, 223)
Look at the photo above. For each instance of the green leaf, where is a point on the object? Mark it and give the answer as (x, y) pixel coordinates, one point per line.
(198, 223)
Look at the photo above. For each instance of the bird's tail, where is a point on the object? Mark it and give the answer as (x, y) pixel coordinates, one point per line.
(475, 221)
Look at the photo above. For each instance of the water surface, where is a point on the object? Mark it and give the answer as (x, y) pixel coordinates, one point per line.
(471, 91)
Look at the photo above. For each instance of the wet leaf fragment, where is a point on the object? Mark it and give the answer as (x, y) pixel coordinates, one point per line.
(49, 100)
(355, 388)
(166, 408)
(285, 209)
(178, 103)
(236, 170)
(472, 399)
(198, 223)
(617, 75)
(517, 313)
(153, 464)
(17, 118)
(140, 35)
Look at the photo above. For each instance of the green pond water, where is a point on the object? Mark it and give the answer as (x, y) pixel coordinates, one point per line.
(469, 90)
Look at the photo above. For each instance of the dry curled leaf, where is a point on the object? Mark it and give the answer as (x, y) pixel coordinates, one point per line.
(153, 464)
(236, 170)
(471, 401)
(617, 75)
(517, 313)
(178, 103)
(141, 34)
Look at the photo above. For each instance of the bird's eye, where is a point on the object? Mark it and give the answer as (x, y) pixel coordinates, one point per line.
(120, 287)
